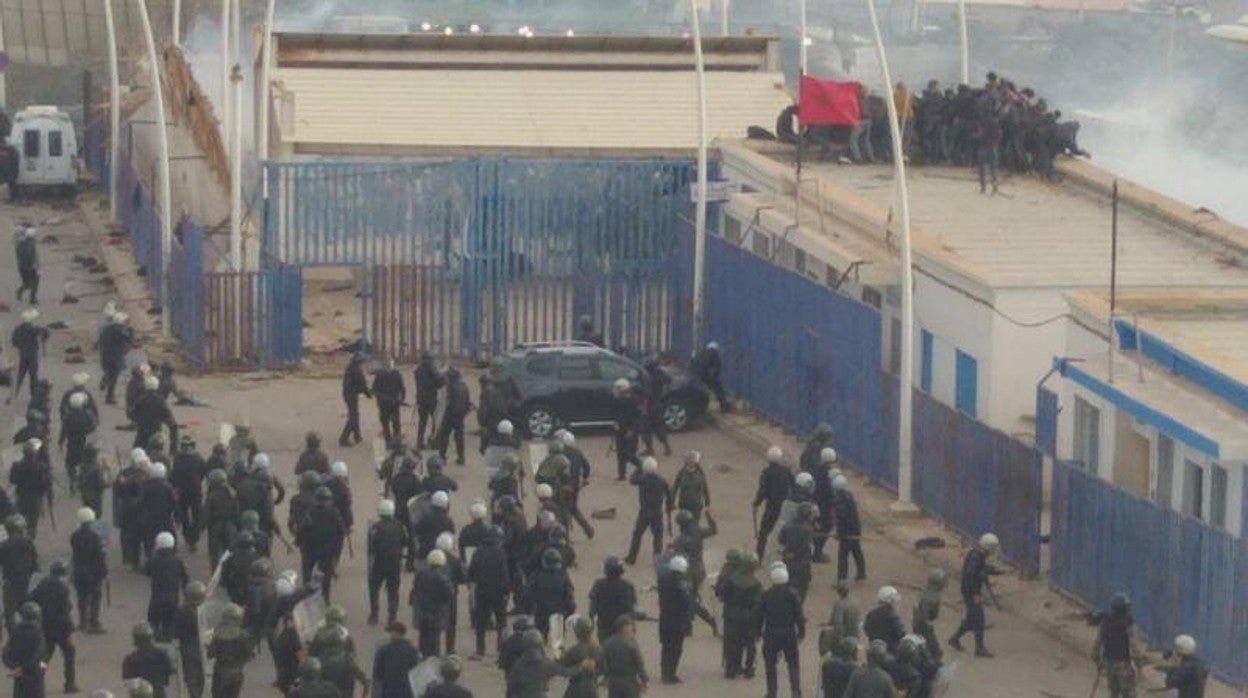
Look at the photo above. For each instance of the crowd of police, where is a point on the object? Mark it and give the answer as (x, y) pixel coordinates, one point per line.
(512, 558)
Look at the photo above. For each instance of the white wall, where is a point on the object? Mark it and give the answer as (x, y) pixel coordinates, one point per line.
(1025, 349)
(957, 323)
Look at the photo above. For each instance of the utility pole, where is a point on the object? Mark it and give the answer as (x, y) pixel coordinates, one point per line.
(162, 140)
(114, 110)
(699, 239)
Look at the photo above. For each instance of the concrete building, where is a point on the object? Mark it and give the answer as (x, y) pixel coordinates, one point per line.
(991, 272)
(1169, 422)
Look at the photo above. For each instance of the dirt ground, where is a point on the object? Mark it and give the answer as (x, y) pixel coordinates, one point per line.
(1035, 657)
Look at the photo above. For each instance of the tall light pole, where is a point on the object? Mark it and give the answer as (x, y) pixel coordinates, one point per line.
(262, 111)
(224, 106)
(801, 50)
(723, 17)
(176, 30)
(699, 233)
(905, 403)
(236, 167)
(964, 49)
(162, 141)
(114, 110)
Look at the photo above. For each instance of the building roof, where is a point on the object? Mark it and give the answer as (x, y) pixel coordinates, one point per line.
(381, 112)
(1034, 234)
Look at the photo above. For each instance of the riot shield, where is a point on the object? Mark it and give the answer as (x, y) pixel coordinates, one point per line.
(225, 433)
(494, 458)
(538, 450)
(944, 680)
(380, 453)
(788, 511)
(418, 507)
(308, 616)
(554, 640)
(425, 675)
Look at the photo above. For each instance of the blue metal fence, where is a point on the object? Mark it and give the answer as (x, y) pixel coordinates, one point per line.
(481, 253)
(1182, 575)
(186, 305)
(802, 354)
(143, 224)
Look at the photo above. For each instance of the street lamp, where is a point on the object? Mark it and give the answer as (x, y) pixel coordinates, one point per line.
(262, 113)
(699, 239)
(162, 141)
(964, 49)
(905, 401)
(114, 110)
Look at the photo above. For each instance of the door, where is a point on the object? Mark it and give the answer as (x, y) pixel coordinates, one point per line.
(579, 385)
(32, 154)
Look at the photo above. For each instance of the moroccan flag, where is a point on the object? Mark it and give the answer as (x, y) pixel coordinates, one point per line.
(827, 102)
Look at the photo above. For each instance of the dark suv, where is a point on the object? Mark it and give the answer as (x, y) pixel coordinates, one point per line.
(563, 383)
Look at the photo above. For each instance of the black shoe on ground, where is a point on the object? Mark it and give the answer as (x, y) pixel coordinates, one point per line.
(956, 644)
(983, 652)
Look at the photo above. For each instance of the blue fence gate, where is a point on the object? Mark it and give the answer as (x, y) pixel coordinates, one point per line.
(470, 256)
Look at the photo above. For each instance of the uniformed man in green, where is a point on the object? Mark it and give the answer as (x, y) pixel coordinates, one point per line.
(623, 666)
(585, 684)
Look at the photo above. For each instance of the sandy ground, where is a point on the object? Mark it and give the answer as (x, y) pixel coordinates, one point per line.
(1033, 658)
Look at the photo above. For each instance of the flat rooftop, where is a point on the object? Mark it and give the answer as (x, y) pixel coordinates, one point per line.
(1033, 234)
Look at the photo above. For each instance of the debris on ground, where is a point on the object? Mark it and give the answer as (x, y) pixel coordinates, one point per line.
(57, 325)
(603, 514)
(930, 543)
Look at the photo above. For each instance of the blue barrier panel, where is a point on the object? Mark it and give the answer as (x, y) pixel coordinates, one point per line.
(1182, 575)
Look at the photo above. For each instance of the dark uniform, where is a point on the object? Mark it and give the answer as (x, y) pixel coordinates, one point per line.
(116, 340)
(550, 592)
(389, 392)
(1187, 678)
(489, 579)
(774, 485)
(584, 684)
(690, 543)
(186, 633)
(320, 540)
(27, 252)
(690, 490)
(432, 593)
(623, 668)
(354, 384)
(387, 539)
(848, 536)
(28, 338)
(976, 571)
(18, 562)
(741, 594)
(187, 477)
(676, 605)
(168, 575)
(90, 568)
(313, 458)
(91, 480)
(654, 497)
(391, 664)
(25, 652)
(628, 425)
(882, 623)
(32, 483)
(707, 365)
(1114, 653)
(656, 384)
(458, 404)
(127, 507)
(157, 506)
(783, 627)
(797, 543)
(530, 676)
(230, 652)
(148, 662)
(428, 382)
(77, 425)
(220, 516)
(52, 595)
(610, 598)
(150, 413)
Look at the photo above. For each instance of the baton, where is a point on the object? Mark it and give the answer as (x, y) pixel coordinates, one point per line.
(350, 548)
(108, 592)
(1097, 681)
(51, 511)
(754, 515)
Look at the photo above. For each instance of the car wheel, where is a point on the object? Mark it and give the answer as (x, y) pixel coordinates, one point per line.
(676, 416)
(539, 421)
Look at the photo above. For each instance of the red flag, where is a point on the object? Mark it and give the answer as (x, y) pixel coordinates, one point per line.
(827, 102)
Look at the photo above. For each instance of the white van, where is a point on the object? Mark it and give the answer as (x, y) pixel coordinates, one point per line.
(47, 148)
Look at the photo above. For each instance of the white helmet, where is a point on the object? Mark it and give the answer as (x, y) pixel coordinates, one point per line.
(678, 563)
(28, 230)
(649, 465)
(774, 454)
(989, 541)
(121, 318)
(385, 508)
(1185, 645)
(36, 444)
(713, 346)
(834, 473)
(284, 587)
(544, 491)
(151, 383)
(338, 469)
(506, 428)
(805, 481)
(81, 379)
(137, 455)
(441, 499)
(827, 455)
(478, 510)
(568, 438)
(436, 558)
(620, 385)
(840, 482)
(86, 515)
(889, 595)
(30, 315)
(291, 575)
(78, 400)
(164, 540)
(779, 574)
(261, 461)
(158, 471)
(445, 542)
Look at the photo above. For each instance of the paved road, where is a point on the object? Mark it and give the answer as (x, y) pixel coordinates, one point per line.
(281, 408)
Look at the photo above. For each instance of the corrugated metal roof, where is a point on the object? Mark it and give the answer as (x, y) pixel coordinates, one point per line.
(336, 110)
(1038, 234)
